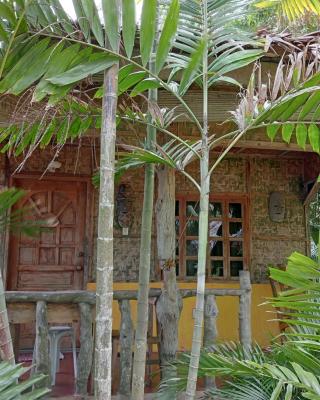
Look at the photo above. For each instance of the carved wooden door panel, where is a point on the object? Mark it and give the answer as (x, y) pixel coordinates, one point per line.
(54, 260)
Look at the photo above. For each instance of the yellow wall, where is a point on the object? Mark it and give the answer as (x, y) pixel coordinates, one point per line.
(263, 329)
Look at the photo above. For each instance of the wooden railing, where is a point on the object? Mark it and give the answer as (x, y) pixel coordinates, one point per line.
(45, 308)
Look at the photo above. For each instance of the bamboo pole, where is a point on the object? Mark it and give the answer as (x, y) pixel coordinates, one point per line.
(6, 345)
(203, 224)
(104, 270)
(140, 346)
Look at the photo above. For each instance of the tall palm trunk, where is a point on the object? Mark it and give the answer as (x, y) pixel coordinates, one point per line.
(169, 304)
(104, 274)
(6, 347)
(203, 226)
(140, 346)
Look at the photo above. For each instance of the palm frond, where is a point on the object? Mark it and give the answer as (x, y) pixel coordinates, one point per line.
(19, 220)
(293, 9)
(290, 104)
(32, 126)
(228, 45)
(10, 389)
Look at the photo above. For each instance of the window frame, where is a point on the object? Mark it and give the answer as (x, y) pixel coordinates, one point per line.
(225, 199)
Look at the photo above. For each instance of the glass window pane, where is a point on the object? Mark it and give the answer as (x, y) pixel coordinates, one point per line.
(216, 248)
(191, 266)
(236, 249)
(217, 268)
(177, 208)
(192, 228)
(177, 267)
(235, 267)
(235, 229)
(192, 247)
(177, 226)
(235, 210)
(177, 247)
(215, 228)
(215, 210)
(193, 208)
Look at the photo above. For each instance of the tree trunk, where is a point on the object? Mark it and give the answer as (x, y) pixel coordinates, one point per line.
(126, 342)
(104, 274)
(203, 227)
(86, 346)
(6, 346)
(140, 345)
(169, 304)
(42, 359)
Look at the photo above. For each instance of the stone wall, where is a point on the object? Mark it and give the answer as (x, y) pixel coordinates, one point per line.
(256, 176)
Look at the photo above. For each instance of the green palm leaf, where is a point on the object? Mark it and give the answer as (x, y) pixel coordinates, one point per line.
(293, 9)
(10, 389)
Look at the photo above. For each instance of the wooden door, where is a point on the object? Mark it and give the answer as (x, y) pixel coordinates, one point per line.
(54, 260)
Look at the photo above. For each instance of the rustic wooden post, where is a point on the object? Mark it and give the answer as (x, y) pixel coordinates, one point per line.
(84, 362)
(169, 303)
(41, 353)
(210, 322)
(210, 329)
(245, 310)
(126, 343)
(15, 336)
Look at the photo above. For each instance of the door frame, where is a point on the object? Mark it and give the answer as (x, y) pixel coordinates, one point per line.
(88, 220)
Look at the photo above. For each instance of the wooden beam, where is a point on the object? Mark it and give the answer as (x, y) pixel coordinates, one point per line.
(312, 193)
(23, 313)
(83, 296)
(268, 145)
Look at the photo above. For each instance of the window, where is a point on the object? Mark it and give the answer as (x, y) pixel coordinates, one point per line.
(227, 240)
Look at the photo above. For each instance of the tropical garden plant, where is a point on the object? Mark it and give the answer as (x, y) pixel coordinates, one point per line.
(10, 389)
(289, 370)
(292, 9)
(205, 47)
(17, 221)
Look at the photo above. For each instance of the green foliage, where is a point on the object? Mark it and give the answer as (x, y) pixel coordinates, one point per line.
(293, 108)
(292, 9)
(10, 389)
(71, 119)
(18, 220)
(289, 371)
(226, 42)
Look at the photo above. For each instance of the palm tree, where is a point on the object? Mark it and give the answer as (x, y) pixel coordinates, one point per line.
(288, 371)
(17, 221)
(65, 60)
(293, 9)
(204, 56)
